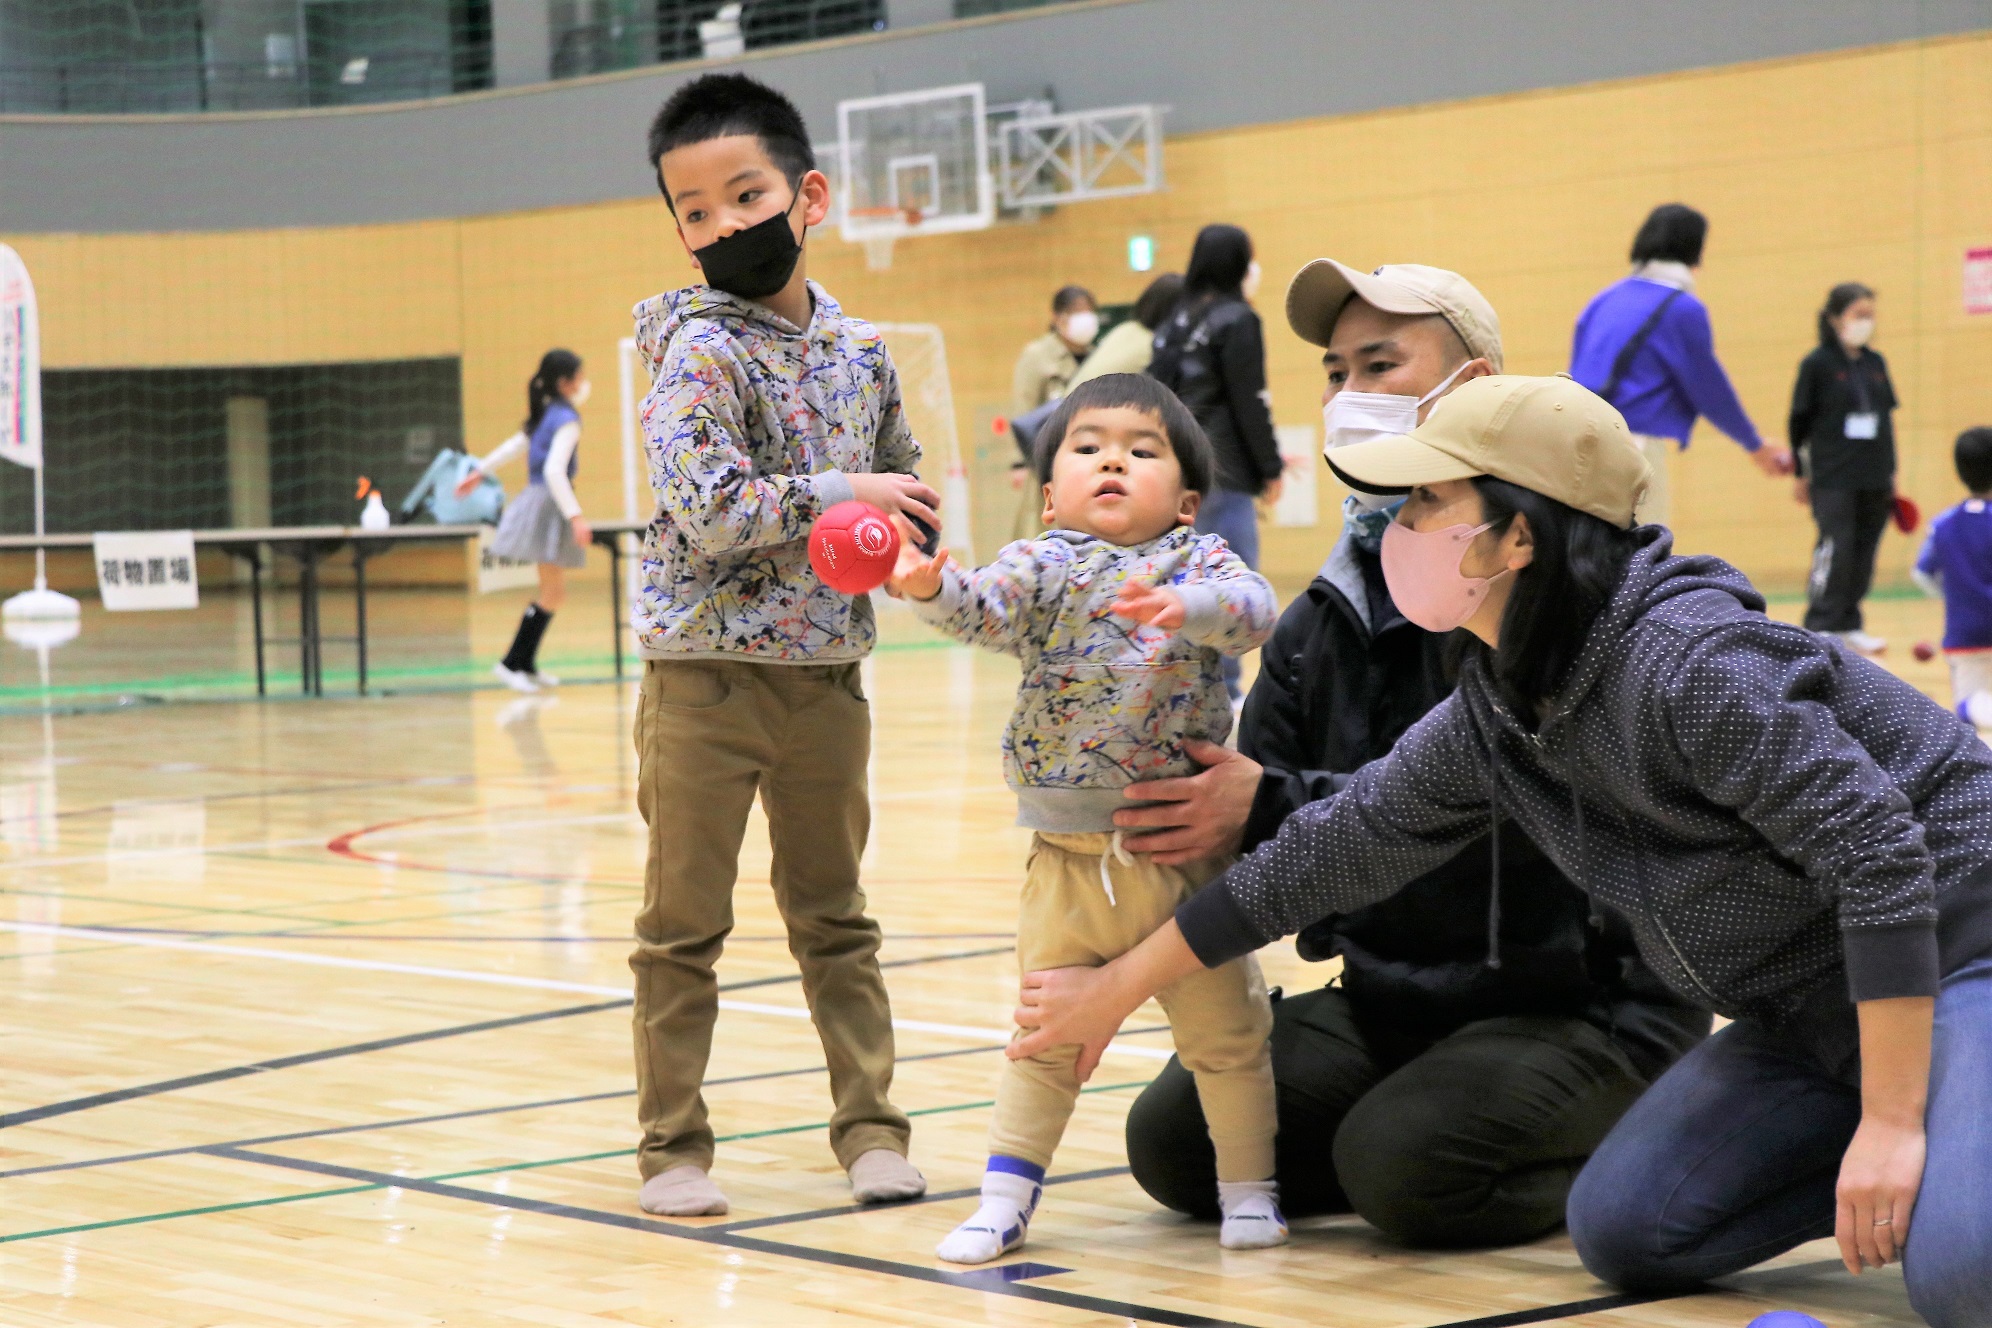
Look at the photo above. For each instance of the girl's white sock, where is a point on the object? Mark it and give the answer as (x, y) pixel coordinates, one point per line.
(1252, 1218)
(999, 1225)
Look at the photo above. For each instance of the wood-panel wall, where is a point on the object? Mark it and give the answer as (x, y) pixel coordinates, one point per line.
(1873, 165)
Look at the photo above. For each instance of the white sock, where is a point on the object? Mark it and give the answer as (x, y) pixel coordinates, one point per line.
(1978, 709)
(683, 1191)
(999, 1225)
(1252, 1219)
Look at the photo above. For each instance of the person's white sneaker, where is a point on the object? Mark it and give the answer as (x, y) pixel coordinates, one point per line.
(545, 679)
(514, 679)
(1864, 643)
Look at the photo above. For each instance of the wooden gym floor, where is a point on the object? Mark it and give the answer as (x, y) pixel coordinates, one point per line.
(317, 1014)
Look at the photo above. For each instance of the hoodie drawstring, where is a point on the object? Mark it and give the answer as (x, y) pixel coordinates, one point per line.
(1115, 849)
(1577, 809)
(1494, 872)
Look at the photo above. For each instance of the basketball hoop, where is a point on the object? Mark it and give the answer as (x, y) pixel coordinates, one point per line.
(893, 222)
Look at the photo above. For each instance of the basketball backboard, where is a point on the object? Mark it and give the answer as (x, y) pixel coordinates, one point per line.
(914, 162)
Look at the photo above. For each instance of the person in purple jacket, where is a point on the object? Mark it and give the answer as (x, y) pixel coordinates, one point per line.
(1645, 345)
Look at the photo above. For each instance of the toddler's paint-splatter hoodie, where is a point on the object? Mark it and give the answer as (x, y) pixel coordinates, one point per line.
(1105, 702)
(752, 426)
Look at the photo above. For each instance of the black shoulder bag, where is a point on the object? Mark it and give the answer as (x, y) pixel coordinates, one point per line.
(1630, 351)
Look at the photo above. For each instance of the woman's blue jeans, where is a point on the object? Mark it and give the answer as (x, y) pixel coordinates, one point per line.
(1231, 514)
(1732, 1157)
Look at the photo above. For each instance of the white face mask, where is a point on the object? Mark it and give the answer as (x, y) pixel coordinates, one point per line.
(580, 397)
(1082, 327)
(1250, 286)
(1857, 331)
(1357, 417)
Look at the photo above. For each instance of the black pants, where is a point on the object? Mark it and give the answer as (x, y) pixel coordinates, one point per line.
(1850, 523)
(1471, 1140)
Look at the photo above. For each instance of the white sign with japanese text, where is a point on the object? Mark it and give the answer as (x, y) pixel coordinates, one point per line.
(147, 569)
(496, 573)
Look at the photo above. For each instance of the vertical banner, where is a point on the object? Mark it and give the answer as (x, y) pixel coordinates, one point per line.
(1298, 492)
(20, 364)
(1978, 281)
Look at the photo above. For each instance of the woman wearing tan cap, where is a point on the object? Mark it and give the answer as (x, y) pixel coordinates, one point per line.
(1798, 839)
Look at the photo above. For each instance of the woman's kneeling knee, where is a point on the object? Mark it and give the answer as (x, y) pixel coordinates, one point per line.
(1617, 1242)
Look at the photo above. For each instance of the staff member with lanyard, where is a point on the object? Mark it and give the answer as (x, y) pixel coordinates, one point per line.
(1798, 839)
(1843, 431)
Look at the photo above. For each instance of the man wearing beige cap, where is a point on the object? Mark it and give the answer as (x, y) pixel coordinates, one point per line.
(1445, 1099)
(1797, 838)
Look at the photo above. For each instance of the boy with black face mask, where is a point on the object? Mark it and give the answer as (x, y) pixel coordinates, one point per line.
(767, 406)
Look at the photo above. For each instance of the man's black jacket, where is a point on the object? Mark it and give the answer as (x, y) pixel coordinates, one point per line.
(1344, 675)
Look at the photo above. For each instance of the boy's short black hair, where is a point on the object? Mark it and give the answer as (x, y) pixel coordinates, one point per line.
(1142, 393)
(716, 105)
(1973, 454)
(1673, 233)
(1069, 298)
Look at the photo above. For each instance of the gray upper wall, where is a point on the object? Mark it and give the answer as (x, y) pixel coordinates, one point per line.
(1215, 63)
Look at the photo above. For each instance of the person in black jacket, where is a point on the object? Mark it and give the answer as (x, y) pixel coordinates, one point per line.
(1212, 353)
(1447, 1094)
(1843, 432)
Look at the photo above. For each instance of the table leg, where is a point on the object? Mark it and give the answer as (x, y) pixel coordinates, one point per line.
(307, 621)
(360, 613)
(256, 608)
(615, 600)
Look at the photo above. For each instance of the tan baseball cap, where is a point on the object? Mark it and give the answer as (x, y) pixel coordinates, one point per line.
(1318, 291)
(1552, 435)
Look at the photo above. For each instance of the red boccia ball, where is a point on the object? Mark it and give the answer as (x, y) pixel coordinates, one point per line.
(1924, 652)
(853, 547)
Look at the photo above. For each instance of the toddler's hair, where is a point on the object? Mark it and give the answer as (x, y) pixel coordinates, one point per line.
(717, 105)
(1139, 392)
(1973, 455)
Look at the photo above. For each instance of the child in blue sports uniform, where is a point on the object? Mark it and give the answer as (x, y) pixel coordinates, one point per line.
(1956, 565)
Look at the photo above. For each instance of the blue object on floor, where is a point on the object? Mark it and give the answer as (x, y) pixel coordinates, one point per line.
(1785, 1319)
(1024, 1272)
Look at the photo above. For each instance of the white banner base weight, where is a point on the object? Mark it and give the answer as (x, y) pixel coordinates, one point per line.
(41, 603)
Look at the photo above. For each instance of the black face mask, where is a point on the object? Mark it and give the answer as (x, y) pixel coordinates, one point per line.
(753, 263)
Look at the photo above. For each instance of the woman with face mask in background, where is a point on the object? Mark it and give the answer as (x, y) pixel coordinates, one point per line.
(1212, 353)
(543, 524)
(1450, 1082)
(1843, 433)
(1797, 839)
(1044, 374)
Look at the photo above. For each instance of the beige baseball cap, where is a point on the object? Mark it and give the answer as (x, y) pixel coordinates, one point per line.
(1552, 435)
(1318, 291)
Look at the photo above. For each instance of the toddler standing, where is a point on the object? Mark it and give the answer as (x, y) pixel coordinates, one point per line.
(1121, 614)
(1956, 566)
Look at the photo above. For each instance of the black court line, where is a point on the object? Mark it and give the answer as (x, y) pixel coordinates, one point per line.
(472, 1112)
(136, 1091)
(69, 1107)
(293, 935)
(731, 1240)
(932, 1197)
(1570, 1309)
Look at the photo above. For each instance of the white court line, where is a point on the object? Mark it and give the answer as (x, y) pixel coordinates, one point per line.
(498, 979)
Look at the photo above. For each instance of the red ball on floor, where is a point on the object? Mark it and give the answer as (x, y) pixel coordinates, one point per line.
(1924, 652)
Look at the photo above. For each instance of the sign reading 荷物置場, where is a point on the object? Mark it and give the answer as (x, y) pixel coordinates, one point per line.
(20, 364)
(1978, 281)
(147, 569)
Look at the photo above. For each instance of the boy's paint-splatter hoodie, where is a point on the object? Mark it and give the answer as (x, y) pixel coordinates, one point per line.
(752, 427)
(1105, 702)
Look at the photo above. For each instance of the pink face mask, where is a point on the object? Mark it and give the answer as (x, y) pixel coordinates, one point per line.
(1421, 571)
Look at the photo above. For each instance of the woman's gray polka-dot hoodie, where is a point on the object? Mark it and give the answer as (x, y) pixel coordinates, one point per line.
(1767, 810)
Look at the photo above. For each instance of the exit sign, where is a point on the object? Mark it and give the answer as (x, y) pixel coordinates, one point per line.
(1140, 253)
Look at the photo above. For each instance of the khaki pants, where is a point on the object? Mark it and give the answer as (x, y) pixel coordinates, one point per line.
(1220, 1017)
(710, 735)
(1657, 508)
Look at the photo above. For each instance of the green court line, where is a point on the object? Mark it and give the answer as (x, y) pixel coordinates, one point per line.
(480, 1171)
(184, 1212)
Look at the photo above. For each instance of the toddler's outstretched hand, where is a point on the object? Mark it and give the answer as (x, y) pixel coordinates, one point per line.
(1153, 605)
(915, 574)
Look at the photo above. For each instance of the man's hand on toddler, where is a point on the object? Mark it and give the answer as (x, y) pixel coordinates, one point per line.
(915, 575)
(898, 495)
(1154, 605)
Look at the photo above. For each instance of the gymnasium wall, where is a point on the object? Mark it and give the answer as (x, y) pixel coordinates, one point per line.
(1874, 164)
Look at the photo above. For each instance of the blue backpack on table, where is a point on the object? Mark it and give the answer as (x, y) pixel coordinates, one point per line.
(435, 493)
